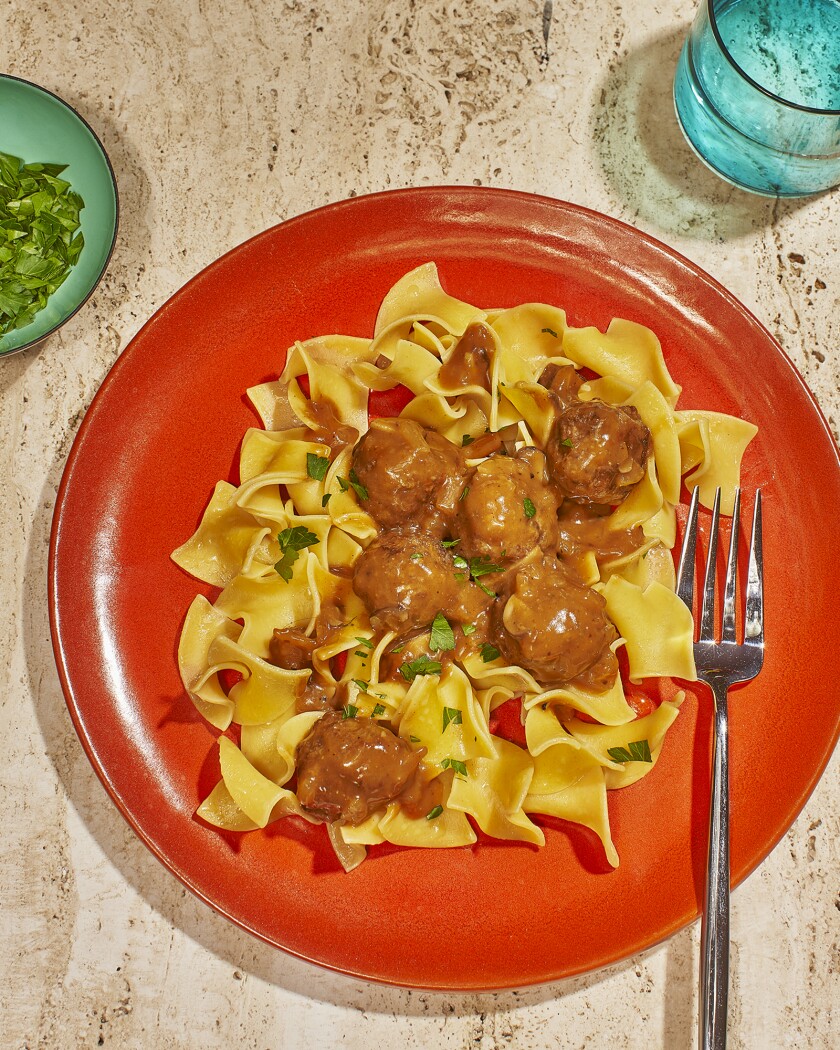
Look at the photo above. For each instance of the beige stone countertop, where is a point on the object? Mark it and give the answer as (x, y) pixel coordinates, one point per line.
(221, 119)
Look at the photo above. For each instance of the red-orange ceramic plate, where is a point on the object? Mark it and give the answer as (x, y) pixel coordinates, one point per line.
(167, 424)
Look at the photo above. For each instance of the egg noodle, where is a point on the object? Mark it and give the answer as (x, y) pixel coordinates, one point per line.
(580, 744)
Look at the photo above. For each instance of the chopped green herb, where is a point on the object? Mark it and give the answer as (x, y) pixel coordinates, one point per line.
(39, 243)
(486, 590)
(378, 710)
(467, 439)
(416, 556)
(464, 494)
(343, 483)
(422, 665)
(489, 653)
(454, 763)
(433, 813)
(398, 648)
(350, 711)
(468, 629)
(460, 562)
(451, 716)
(481, 566)
(358, 487)
(326, 498)
(567, 443)
(363, 686)
(639, 751)
(414, 739)
(550, 332)
(362, 653)
(364, 641)
(530, 509)
(292, 542)
(316, 466)
(449, 543)
(442, 634)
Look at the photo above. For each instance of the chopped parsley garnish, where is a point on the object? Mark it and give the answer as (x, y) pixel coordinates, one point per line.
(414, 739)
(363, 686)
(454, 763)
(433, 813)
(467, 439)
(39, 243)
(550, 332)
(362, 653)
(530, 509)
(464, 494)
(398, 648)
(364, 641)
(639, 751)
(422, 665)
(486, 590)
(451, 716)
(489, 652)
(292, 542)
(350, 711)
(567, 443)
(468, 629)
(449, 543)
(481, 566)
(316, 466)
(354, 483)
(377, 711)
(442, 634)
(416, 556)
(326, 498)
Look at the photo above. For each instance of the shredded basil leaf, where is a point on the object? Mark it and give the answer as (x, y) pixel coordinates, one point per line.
(316, 466)
(451, 716)
(530, 509)
(639, 751)
(292, 542)
(442, 634)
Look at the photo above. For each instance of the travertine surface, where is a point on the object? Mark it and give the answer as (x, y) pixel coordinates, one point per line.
(223, 118)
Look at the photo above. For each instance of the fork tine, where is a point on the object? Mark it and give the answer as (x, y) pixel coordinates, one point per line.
(685, 572)
(728, 630)
(707, 617)
(754, 622)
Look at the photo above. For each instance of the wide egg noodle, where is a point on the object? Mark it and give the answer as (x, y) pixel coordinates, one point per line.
(728, 438)
(450, 829)
(203, 626)
(658, 417)
(419, 295)
(410, 366)
(270, 747)
(266, 692)
(530, 336)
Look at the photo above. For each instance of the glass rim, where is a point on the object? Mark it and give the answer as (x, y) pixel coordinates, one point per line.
(764, 91)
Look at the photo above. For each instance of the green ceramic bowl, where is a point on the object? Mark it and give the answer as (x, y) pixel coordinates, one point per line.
(37, 126)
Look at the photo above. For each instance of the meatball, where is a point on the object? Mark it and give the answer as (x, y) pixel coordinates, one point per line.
(553, 625)
(411, 475)
(509, 509)
(598, 452)
(406, 578)
(347, 768)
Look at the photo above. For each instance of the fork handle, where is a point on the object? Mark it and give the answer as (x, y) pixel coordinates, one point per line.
(714, 971)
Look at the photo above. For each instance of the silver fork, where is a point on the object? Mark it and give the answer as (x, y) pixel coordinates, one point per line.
(720, 665)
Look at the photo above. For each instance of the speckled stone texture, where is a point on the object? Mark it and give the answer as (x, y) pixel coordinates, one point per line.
(221, 119)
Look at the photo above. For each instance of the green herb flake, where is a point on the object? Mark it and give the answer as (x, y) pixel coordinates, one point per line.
(468, 629)
(364, 641)
(350, 711)
(378, 710)
(398, 648)
(449, 543)
(292, 542)
(489, 653)
(443, 636)
(467, 439)
(434, 813)
(481, 566)
(316, 466)
(421, 666)
(326, 498)
(638, 751)
(486, 590)
(40, 240)
(362, 686)
(464, 494)
(460, 562)
(451, 716)
(550, 331)
(567, 443)
(358, 487)
(454, 763)
(414, 739)
(530, 509)
(416, 556)
(343, 483)
(362, 653)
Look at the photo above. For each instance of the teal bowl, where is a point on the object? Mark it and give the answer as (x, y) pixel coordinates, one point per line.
(37, 126)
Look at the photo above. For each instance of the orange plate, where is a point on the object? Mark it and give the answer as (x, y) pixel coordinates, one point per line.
(167, 424)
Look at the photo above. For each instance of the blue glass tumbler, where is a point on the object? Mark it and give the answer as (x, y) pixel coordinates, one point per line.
(757, 93)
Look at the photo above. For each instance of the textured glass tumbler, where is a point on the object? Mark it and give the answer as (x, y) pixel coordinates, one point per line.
(757, 93)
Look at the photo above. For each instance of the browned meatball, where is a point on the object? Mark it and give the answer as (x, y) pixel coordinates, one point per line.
(412, 475)
(406, 578)
(552, 624)
(347, 768)
(598, 452)
(508, 510)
